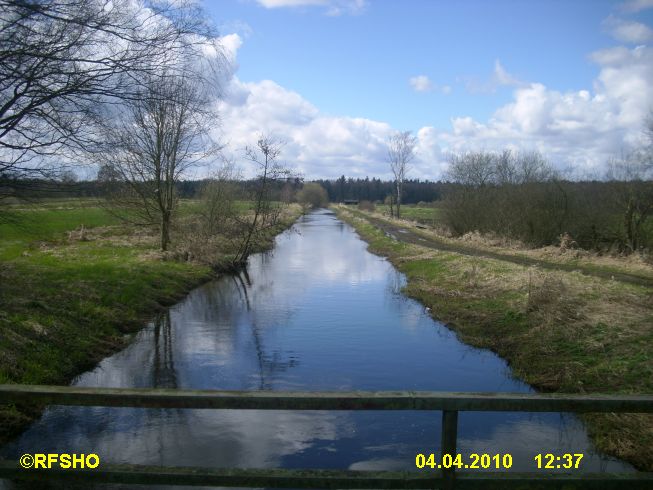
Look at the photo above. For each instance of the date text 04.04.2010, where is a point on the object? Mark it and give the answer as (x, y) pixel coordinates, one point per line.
(474, 461)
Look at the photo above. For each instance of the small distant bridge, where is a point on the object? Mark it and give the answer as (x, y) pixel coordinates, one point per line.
(449, 403)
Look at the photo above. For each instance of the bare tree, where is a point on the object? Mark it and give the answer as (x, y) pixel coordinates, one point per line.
(157, 138)
(630, 179)
(514, 194)
(477, 169)
(401, 147)
(218, 208)
(212, 231)
(265, 212)
(60, 60)
(633, 194)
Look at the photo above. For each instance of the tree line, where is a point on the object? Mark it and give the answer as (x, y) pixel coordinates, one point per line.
(337, 190)
(520, 195)
(375, 189)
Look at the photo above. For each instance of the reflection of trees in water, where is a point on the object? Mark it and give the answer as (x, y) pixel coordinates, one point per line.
(272, 365)
(164, 374)
(94, 429)
(243, 282)
(166, 424)
(268, 365)
(396, 282)
(209, 303)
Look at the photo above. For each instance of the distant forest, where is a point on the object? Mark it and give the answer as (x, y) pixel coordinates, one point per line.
(338, 189)
(414, 191)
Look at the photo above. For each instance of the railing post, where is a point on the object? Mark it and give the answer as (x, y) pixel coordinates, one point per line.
(448, 446)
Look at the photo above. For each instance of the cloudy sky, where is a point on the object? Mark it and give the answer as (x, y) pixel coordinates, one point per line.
(334, 78)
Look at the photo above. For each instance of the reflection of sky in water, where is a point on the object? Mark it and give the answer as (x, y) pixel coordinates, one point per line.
(317, 313)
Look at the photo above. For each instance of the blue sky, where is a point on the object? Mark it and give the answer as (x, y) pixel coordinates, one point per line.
(462, 75)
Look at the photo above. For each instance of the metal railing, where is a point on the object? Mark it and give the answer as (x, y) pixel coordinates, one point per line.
(449, 403)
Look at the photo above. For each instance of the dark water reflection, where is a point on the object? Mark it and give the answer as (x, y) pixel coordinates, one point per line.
(317, 313)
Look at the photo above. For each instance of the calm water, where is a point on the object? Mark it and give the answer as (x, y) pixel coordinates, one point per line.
(318, 312)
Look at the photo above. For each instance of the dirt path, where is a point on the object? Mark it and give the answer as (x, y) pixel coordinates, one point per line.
(406, 235)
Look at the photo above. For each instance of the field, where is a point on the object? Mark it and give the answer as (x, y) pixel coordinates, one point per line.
(561, 330)
(425, 214)
(54, 278)
(70, 297)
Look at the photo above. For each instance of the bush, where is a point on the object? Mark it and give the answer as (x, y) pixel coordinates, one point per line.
(312, 195)
(366, 206)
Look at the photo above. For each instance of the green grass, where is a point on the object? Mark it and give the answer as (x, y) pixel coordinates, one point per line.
(424, 269)
(188, 207)
(430, 215)
(22, 228)
(59, 306)
(60, 297)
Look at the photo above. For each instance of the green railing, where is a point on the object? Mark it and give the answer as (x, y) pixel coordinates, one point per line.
(449, 403)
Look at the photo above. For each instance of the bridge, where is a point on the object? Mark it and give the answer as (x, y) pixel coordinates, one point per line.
(447, 402)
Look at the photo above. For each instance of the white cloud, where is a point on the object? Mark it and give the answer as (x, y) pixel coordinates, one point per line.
(502, 77)
(636, 5)
(333, 7)
(243, 29)
(583, 128)
(421, 83)
(430, 160)
(579, 128)
(231, 43)
(316, 144)
(627, 31)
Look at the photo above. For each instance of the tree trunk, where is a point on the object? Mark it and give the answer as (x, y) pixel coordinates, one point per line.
(242, 255)
(398, 200)
(631, 239)
(165, 231)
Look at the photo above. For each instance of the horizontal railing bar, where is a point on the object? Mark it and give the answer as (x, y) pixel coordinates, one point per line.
(352, 400)
(285, 478)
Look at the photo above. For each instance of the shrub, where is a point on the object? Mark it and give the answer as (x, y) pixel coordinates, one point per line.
(312, 195)
(366, 206)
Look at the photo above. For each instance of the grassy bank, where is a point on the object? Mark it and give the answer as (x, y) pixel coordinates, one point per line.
(560, 331)
(70, 297)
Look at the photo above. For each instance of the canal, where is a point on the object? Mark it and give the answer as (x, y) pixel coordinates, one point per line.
(317, 312)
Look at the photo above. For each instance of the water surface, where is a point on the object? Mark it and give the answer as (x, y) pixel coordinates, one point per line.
(318, 312)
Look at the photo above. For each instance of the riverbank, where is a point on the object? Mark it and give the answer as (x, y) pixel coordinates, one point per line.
(559, 330)
(70, 296)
